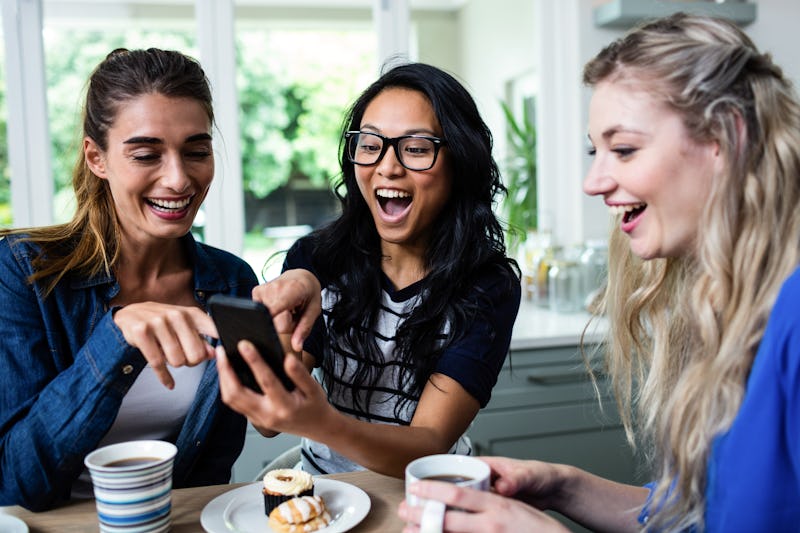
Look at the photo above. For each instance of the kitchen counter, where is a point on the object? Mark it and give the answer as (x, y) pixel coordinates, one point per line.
(537, 327)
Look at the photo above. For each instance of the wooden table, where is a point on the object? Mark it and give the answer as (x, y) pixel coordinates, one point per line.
(187, 504)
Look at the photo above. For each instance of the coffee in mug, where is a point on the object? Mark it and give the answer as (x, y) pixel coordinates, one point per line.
(462, 470)
(449, 478)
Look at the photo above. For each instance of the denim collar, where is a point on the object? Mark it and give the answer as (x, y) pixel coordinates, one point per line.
(207, 278)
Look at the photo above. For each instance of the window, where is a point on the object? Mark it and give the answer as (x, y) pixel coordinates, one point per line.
(297, 72)
(5, 173)
(296, 78)
(75, 41)
(299, 67)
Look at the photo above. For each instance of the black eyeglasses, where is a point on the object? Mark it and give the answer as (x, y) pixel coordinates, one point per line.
(414, 152)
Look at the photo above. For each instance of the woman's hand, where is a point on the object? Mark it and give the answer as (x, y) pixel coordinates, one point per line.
(301, 411)
(534, 482)
(482, 511)
(294, 299)
(167, 335)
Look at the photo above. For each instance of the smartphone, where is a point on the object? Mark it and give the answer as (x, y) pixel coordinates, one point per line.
(244, 319)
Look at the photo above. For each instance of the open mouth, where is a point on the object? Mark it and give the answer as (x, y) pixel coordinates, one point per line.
(169, 206)
(628, 212)
(392, 201)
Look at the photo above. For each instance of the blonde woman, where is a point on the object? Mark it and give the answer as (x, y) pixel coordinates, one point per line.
(696, 150)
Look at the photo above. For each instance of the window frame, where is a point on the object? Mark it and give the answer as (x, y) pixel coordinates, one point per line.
(31, 173)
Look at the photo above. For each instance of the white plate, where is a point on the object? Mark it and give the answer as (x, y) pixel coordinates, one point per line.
(12, 524)
(242, 510)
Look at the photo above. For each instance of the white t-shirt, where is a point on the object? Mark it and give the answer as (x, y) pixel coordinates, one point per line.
(149, 411)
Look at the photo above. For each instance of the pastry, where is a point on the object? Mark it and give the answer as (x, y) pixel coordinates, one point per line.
(302, 514)
(284, 484)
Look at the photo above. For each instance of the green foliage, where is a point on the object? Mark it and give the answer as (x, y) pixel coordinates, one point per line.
(5, 184)
(292, 105)
(520, 174)
(70, 57)
(294, 87)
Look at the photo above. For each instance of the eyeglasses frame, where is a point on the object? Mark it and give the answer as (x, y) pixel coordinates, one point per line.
(438, 143)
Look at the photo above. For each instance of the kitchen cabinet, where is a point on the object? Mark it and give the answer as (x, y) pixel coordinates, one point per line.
(545, 407)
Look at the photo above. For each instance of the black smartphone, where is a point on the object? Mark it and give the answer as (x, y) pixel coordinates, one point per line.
(244, 319)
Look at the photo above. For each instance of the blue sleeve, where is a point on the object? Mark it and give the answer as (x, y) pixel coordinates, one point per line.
(475, 360)
(786, 316)
(53, 409)
(644, 515)
(298, 256)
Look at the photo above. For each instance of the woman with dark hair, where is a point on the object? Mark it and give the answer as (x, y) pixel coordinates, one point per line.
(419, 297)
(102, 318)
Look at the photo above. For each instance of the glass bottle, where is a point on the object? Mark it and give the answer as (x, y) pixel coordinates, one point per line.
(594, 269)
(565, 286)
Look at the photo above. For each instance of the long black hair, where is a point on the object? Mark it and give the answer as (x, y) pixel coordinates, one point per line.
(466, 240)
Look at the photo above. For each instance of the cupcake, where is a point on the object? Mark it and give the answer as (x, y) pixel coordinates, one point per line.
(284, 484)
(305, 513)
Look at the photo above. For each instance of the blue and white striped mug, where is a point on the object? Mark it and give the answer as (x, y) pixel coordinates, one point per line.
(132, 485)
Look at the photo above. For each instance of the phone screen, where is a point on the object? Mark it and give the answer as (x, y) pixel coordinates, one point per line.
(243, 319)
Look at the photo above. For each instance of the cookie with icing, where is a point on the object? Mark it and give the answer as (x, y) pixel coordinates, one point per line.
(301, 514)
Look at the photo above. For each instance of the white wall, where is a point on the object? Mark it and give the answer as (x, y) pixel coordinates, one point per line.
(774, 31)
(437, 39)
(498, 43)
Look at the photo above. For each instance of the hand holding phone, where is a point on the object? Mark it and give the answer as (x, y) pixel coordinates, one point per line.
(244, 319)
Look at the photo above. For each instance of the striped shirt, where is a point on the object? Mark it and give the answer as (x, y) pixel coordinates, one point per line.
(474, 361)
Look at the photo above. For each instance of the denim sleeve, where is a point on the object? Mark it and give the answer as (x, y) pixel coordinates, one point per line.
(56, 402)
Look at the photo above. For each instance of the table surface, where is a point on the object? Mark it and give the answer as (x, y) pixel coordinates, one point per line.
(384, 492)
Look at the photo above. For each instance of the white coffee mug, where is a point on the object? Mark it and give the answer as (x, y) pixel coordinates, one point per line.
(463, 470)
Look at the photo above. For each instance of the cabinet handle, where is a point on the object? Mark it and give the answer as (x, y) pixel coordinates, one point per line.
(558, 379)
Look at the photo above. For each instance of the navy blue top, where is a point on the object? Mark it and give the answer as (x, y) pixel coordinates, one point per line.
(754, 467)
(474, 360)
(66, 367)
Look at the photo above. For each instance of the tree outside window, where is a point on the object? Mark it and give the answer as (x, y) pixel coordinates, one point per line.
(293, 86)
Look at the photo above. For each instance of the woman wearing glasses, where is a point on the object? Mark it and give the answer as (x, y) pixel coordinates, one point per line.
(418, 295)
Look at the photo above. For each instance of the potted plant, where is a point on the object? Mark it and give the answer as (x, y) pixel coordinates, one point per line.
(520, 206)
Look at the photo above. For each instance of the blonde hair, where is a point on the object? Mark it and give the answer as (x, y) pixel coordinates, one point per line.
(89, 243)
(684, 331)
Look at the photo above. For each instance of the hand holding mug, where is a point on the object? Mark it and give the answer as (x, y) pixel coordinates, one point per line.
(461, 470)
(451, 493)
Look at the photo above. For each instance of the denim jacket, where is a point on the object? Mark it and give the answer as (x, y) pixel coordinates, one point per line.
(65, 367)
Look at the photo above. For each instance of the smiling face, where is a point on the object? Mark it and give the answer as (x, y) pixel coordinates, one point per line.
(404, 203)
(159, 165)
(648, 169)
